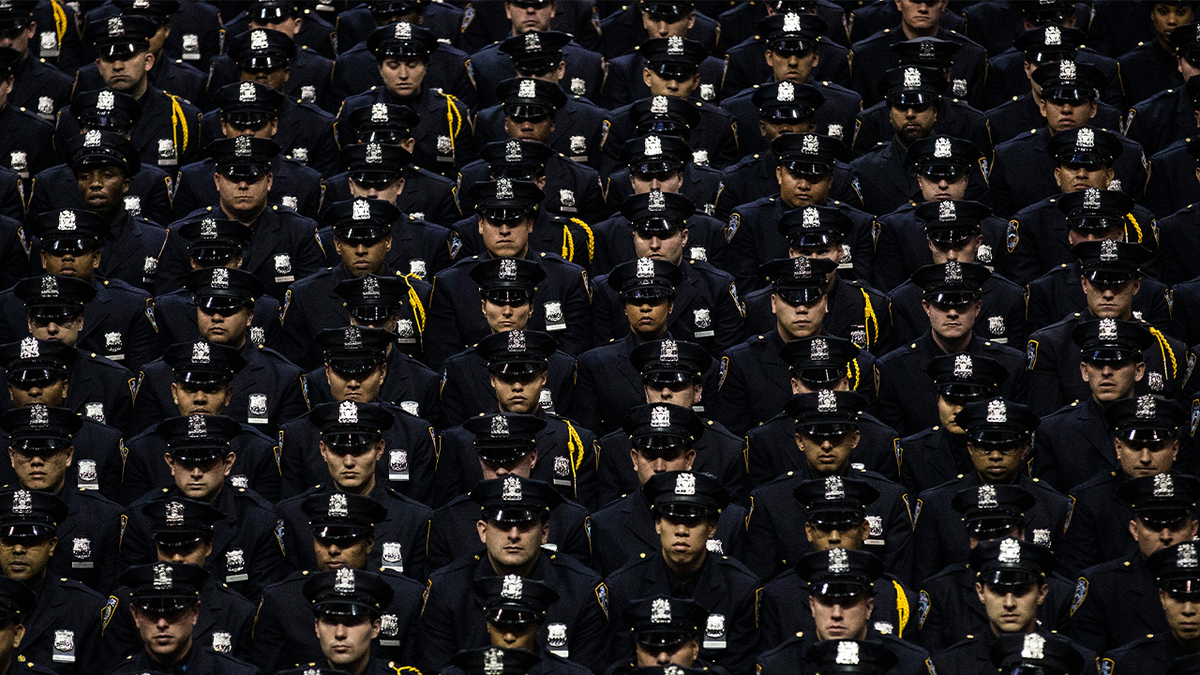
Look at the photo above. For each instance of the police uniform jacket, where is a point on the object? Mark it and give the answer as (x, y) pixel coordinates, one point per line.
(567, 459)
(96, 463)
(585, 76)
(1037, 240)
(773, 451)
(1001, 320)
(572, 189)
(309, 80)
(130, 253)
(1098, 530)
(837, 116)
(872, 59)
(13, 259)
(614, 241)
(64, 631)
(551, 664)
(1006, 78)
(89, 539)
(783, 609)
(170, 75)
(355, 25)
(55, 18)
(972, 655)
(1023, 172)
(409, 384)
(247, 548)
(198, 35)
(1161, 120)
(1153, 653)
(266, 393)
(607, 385)
(225, 623)
(747, 61)
(304, 134)
(1185, 323)
(874, 17)
(954, 118)
(1052, 377)
(931, 457)
(777, 519)
(753, 178)
(718, 452)
(454, 538)
(399, 541)
(316, 35)
(1058, 294)
(420, 249)
(427, 196)
(284, 249)
(175, 316)
(294, 185)
(738, 23)
(100, 390)
(792, 655)
(27, 141)
(1074, 447)
(1115, 603)
(466, 388)
(1180, 230)
(887, 180)
(570, 238)
(200, 661)
(942, 538)
(949, 611)
(580, 133)
(167, 135)
(713, 141)
(997, 25)
(907, 398)
(903, 237)
(149, 193)
(622, 32)
(407, 463)
(623, 533)
(1021, 113)
(40, 86)
(857, 312)
(624, 83)
(701, 184)
(444, 137)
(283, 635)
(12, 205)
(561, 307)
(453, 617)
(1172, 185)
(145, 469)
(357, 72)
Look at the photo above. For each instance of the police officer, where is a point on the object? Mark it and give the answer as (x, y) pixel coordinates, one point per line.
(549, 54)
(507, 444)
(27, 147)
(216, 243)
(938, 454)
(860, 656)
(686, 507)
(514, 524)
(626, 81)
(494, 23)
(388, 174)
(39, 86)
(443, 139)
(284, 246)
(68, 619)
(1146, 437)
(345, 531)
(506, 213)
(954, 230)
(1049, 652)
(269, 53)
(1173, 189)
(1115, 602)
(252, 109)
(749, 27)
(665, 630)
(1152, 67)
(17, 604)
(506, 296)
(355, 366)
(515, 624)
(182, 530)
(629, 27)
(952, 298)
(836, 509)
(1166, 116)
(998, 441)
(1175, 571)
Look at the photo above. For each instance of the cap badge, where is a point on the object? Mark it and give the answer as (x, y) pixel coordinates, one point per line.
(508, 269)
(527, 89)
(809, 143)
(927, 50)
(912, 78)
(1164, 485)
(660, 610)
(208, 228)
(660, 417)
(379, 112)
(533, 42)
(39, 416)
(826, 401)
(91, 139)
(675, 46)
(403, 31)
(801, 267)
(162, 577)
(645, 268)
(259, 41)
(668, 351)
(947, 212)
(1086, 139)
(373, 154)
(370, 287)
(49, 286)
(504, 188)
(653, 146)
(954, 272)
(66, 221)
(835, 488)
(500, 427)
(658, 105)
(1010, 552)
(791, 23)
(197, 426)
(512, 485)
(200, 353)
(811, 217)
(1108, 329)
(512, 151)
(997, 412)
(361, 210)
(512, 587)
(220, 278)
(493, 662)
(1034, 647)
(116, 27)
(685, 484)
(174, 513)
(839, 562)
(1186, 556)
(1146, 407)
(246, 93)
(352, 339)
(241, 146)
(106, 101)
(847, 653)
(1067, 71)
(516, 341)
(818, 349)
(337, 505)
(347, 413)
(657, 201)
(1108, 250)
(786, 92)
(22, 503)
(1053, 36)
(344, 582)
(30, 348)
(964, 367)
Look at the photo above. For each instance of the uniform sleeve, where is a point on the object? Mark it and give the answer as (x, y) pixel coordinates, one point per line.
(265, 478)
(900, 547)
(927, 538)
(608, 315)
(888, 268)
(1078, 543)
(267, 564)
(585, 399)
(437, 628)
(323, 151)
(577, 308)
(739, 255)
(173, 265)
(1004, 201)
(443, 338)
(423, 457)
(573, 540)
(742, 641)
(890, 385)
(141, 336)
(1089, 617)
(293, 473)
(731, 401)
(453, 397)
(136, 547)
(731, 316)
(308, 255)
(763, 557)
(417, 567)
(590, 643)
(291, 397)
(270, 640)
(186, 198)
(1043, 391)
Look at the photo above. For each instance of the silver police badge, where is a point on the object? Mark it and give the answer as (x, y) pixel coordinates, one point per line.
(113, 343)
(258, 335)
(554, 315)
(283, 268)
(996, 325)
(257, 409)
(398, 464)
(392, 553)
(702, 317)
(166, 152)
(87, 471)
(556, 636)
(222, 643)
(94, 411)
(235, 560)
(714, 632)
(64, 646)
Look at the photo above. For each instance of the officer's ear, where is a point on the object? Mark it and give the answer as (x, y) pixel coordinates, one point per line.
(375, 628)
(481, 528)
(979, 592)
(379, 447)
(560, 71)
(689, 458)
(149, 61)
(855, 438)
(18, 635)
(287, 74)
(1139, 372)
(646, 76)
(53, 545)
(808, 532)
(229, 460)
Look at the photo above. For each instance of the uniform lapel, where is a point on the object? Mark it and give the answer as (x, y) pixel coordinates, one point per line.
(638, 520)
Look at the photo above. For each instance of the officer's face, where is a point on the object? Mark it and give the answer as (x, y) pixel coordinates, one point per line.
(192, 554)
(801, 387)
(356, 387)
(1187, 68)
(275, 79)
(664, 182)
(362, 257)
(18, 40)
(403, 77)
(159, 37)
(502, 318)
(506, 240)
(921, 17)
(66, 332)
(512, 546)
(669, 86)
(1012, 609)
(942, 189)
(841, 618)
(1076, 177)
(205, 400)
(952, 322)
(798, 321)
(241, 196)
(648, 317)
(352, 470)
(525, 19)
(1146, 459)
(346, 642)
(1153, 538)
(683, 655)
(964, 252)
(332, 555)
(912, 122)
(523, 467)
(791, 66)
(529, 128)
(1111, 381)
(824, 537)
(289, 26)
(387, 193)
(200, 481)
(518, 393)
(216, 326)
(798, 190)
(828, 455)
(167, 636)
(128, 75)
(661, 245)
(1111, 302)
(772, 130)
(36, 472)
(1183, 614)
(657, 28)
(648, 463)
(997, 464)
(684, 540)
(685, 394)
(81, 265)
(103, 188)
(1167, 17)
(24, 559)
(264, 131)
(1063, 114)
(948, 409)
(514, 636)
(52, 394)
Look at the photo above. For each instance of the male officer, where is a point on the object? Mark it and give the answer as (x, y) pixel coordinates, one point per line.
(252, 109)
(686, 507)
(627, 80)
(344, 528)
(674, 371)
(443, 138)
(1175, 231)
(1047, 652)
(634, 24)
(248, 546)
(356, 366)
(999, 433)
(826, 431)
(952, 299)
(27, 146)
(285, 247)
(706, 307)
(506, 298)
(506, 210)
(549, 54)
(1115, 602)
(348, 608)
(39, 85)
(1175, 571)
(1145, 434)
(17, 604)
(64, 629)
(1167, 116)
(1012, 583)
(931, 457)
(505, 444)
(515, 622)
(268, 52)
(954, 231)
(836, 509)
(514, 524)
(662, 439)
(165, 603)
(665, 630)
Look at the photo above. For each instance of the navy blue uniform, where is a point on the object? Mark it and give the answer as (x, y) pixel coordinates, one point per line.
(931, 457)
(444, 137)
(623, 31)
(224, 624)
(89, 539)
(773, 450)
(1059, 294)
(1074, 447)
(200, 661)
(149, 193)
(96, 462)
(356, 24)
(453, 536)
(572, 189)
(426, 196)
(466, 387)
(1002, 320)
(872, 59)
(856, 312)
(783, 609)
(569, 238)
(713, 141)
(902, 236)
(304, 134)
(1161, 120)
(309, 76)
(12, 204)
(166, 136)
(485, 24)
(1021, 114)
(14, 261)
(954, 118)
(748, 63)
(585, 74)
(1186, 312)
(1006, 77)
(1115, 603)
(624, 83)
(175, 317)
(887, 180)
(130, 252)
(1180, 230)
(701, 184)
(1172, 185)
(581, 131)
(1099, 527)
(172, 76)
(754, 178)
(293, 185)
(27, 141)
(409, 384)
(66, 612)
(357, 72)
(606, 385)
(784, 658)
(40, 87)
(973, 655)
(420, 249)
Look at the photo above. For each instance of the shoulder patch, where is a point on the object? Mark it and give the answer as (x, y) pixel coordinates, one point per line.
(108, 611)
(1031, 353)
(1014, 235)
(922, 609)
(1081, 591)
(602, 597)
(735, 221)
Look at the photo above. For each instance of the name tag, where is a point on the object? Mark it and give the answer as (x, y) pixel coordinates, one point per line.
(285, 279)
(705, 334)
(234, 578)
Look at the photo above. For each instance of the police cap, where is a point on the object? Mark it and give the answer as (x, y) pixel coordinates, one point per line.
(657, 212)
(31, 362)
(1162, 500)
(349, 425)
(375, 164)
(106, 110)
(645, 279)
(517, 158)
(97, 148)
(30, 514)
(1011, 562)
(120, 37)
(535, 52)
(17, 602)
(508, 280)
(852, 657)
(178, 522)
(402, 40)
(245, 157)
(1145, 419)
(512, 600)
(248, 105)
(495, 660)
(658, 429)
(963, 377)
(342, 516)
(825, 413)
(943, 156)
(54, 298)
(223, 290)
(362, 220)
(819, 361)
(664, 115)
(1176, 569)
(997, 422)
(387, 123)
(1085, 146)
(990, 511)
(926, 51)
(911, 86)
(952, 283)
(1036, 653)
(346, 592)
(213, 242)
(815, 226)
(39, 430)
(673, 57)
(834, 502)
(1185, 40)
(502, 438)
(1109, 262)
(16, 14)
(800, 280)
(685, 494)
(530, 98)
(1050, 43)
(71, 231)
(655, 153)
(661, 623)
(262, 50)
(272, 11)
(164, 587)
(950, 223)
(668, 362)
(513, 499)
(517, 352)
(198, 439)
(669, 11)
(1068, 80)
(782, 102)
(505, 200)
(806, 154)
(372, 298)
(1093, 210)
(1112, 341)
(203, 363)
(354, 350)
(792, 32)
(840, 573)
